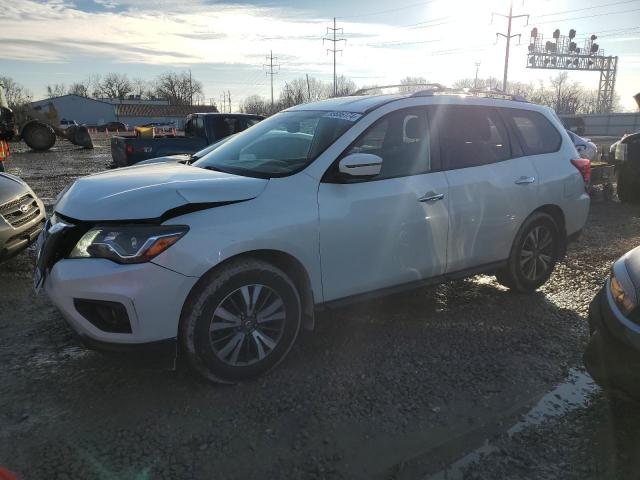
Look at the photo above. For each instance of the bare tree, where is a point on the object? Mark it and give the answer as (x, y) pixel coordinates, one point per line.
(56, 90)
(115, 85)
(345, 86)
(256, 104)
(141, 88)
(293, 93)
(409, 84)
(15, 93)
(81, 88)
(178, 88)
(490, 83)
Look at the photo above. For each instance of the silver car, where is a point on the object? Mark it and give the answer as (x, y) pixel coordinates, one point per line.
(585, 147)
(22, 216)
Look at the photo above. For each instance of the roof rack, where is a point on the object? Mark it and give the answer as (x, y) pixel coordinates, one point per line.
(471, 91)
(429, 87)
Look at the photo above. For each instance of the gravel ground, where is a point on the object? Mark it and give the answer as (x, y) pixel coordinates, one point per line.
(399, 387)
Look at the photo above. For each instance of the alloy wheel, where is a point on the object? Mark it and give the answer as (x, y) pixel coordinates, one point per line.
(536, 255)
(247, 325)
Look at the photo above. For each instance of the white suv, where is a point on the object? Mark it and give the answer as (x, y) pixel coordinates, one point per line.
(318, 205)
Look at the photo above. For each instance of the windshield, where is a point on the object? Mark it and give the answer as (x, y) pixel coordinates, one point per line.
(208, 149)
(281, 145)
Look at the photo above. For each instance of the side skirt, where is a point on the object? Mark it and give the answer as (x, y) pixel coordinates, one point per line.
(488, 268)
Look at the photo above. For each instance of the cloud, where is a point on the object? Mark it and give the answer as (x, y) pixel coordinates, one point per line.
(140, 31)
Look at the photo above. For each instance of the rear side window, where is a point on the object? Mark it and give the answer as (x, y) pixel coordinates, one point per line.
(225, 126)
(401, 139)
(250, 122)
(199, 127)
(536, 133)
(471, 136)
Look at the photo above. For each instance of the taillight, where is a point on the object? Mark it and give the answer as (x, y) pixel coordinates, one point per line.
(129, 149)
(584, 167)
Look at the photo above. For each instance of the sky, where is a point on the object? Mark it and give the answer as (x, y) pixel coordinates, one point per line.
(224, 44)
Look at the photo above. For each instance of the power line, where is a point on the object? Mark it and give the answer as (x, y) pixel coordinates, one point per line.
(397, 43)
(508, 36)
(390, 10)
(589, 16)
(586, 8)
(271, 73)
(333, 32)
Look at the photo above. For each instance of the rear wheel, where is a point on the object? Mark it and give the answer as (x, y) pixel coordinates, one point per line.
(534, 254)
(38, 136)
(240, 321)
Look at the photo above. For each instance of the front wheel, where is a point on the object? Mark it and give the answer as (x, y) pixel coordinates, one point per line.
(240, 321)
(533, 256)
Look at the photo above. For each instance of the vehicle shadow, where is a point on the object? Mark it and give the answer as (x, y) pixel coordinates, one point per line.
(376, 384)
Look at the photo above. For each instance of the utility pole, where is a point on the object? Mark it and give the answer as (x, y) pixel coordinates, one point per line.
(508, 37)
(270, 65)
(475, 82)
(308, 89)
(229, 95)
(190, 89)
(332, 32)
(224, 102)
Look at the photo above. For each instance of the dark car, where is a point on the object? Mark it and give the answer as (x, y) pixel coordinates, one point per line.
(113, 127)
(201, 129)
(627, 162)
(187, 159)
(22, 216)
(613, 353)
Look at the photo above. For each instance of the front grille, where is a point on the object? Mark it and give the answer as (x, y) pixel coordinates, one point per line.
(20, 211)
(29, 234)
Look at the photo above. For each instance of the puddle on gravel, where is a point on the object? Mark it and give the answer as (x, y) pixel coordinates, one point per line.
(49, 359)
(574, 393)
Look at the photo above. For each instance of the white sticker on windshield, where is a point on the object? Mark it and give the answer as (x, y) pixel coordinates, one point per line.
(348, 116)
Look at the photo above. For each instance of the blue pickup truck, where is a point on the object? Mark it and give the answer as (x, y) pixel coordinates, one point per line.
(200, 130)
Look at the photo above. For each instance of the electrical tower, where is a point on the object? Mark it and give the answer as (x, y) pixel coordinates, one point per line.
(270, 65)
(332, 32)
(508, 38)
(563, 53)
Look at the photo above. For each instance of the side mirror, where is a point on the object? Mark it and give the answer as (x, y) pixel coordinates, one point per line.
(360, 165)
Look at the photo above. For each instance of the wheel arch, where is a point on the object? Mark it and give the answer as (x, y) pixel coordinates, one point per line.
(557, 214)
(285, 262)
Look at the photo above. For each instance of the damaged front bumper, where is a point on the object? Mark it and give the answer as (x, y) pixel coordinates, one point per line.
(120, 309)
(114, 308)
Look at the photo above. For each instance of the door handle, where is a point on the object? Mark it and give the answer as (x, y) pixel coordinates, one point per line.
(431, 197)
(525, 180)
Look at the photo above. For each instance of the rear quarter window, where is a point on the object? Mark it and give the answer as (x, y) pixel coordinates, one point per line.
(535, 132)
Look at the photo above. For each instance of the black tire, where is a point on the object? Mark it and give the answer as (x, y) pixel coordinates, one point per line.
(205, 345)
(38, 136)
(527, 278)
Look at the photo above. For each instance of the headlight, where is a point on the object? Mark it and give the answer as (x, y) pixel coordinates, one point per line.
(625, 302)
(127, 243)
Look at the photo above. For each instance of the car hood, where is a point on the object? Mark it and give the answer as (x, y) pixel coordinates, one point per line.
(11, 187)
(150, 191)
(183, 157)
